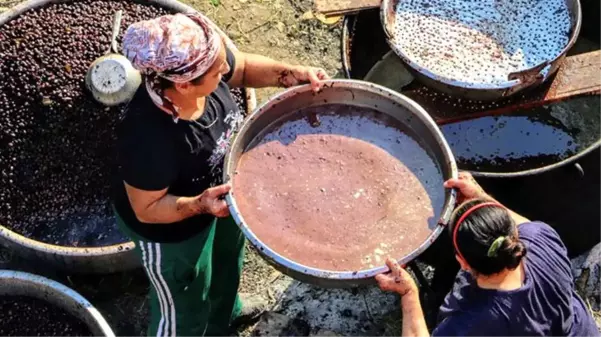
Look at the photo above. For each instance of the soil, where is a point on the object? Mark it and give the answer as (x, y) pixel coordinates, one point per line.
(27, 316)
(336, 183)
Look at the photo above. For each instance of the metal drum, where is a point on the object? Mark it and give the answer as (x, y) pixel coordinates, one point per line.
(16, 283)
(286, 106)
(93, 259)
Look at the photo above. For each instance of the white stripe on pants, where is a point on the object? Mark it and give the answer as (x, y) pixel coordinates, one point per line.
(152, 264)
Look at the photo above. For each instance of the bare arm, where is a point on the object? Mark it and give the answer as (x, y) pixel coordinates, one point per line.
(518, 219)
(469, 189)
(161, 207)
(414, 323)
(399, 281)
(256, 71)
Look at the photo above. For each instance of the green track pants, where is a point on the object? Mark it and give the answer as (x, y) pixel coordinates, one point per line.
(194, 283)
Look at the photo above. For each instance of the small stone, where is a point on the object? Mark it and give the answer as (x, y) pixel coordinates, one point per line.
(271, 324)
(586, 270)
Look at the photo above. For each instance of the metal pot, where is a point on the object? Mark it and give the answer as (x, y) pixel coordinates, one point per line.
(516, 81)
(347, 92)
(112, 79)
(96, 260)
(16, 283)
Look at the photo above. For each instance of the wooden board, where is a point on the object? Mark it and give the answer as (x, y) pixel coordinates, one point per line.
(343, 7)
(578, 75)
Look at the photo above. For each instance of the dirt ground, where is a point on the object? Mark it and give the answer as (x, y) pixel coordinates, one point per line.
(284, 30)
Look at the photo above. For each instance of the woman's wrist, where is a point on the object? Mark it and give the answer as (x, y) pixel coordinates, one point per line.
(411, 292)
(189, 206)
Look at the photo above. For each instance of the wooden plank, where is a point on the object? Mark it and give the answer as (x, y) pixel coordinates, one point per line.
(343, 7)
(578, 75)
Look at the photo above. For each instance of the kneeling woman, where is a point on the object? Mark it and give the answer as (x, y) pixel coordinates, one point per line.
(515, 280)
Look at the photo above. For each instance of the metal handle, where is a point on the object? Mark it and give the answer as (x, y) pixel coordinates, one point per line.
(446, 216)
(527, 78)
(116, 26)
(580, 170)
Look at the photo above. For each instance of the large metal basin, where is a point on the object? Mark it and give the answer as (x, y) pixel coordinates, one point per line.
(100, 260)
(347, 92)
(516, 82)
(15, 283)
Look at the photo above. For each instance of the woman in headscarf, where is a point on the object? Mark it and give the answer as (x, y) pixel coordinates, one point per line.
(515, 277)
(172, 142)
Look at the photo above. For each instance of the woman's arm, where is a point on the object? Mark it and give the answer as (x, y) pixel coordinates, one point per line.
(469, 189)
(256, 71)
(414, 323)
(161, 207)
(399, 281)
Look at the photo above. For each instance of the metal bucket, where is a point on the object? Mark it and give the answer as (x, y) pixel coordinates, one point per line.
(100, 260)
(346, 92)
(15, 283)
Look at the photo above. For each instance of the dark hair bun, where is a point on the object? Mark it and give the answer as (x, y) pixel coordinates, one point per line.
(511, 252)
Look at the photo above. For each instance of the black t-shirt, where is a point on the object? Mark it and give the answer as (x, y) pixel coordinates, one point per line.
(186, 157)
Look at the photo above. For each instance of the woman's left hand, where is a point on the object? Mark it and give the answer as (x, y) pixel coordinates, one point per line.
(397, 280)
(302, 74)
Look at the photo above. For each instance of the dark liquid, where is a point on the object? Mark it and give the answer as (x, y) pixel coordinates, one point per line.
(507, 144)
(512, 143)
(27, 316)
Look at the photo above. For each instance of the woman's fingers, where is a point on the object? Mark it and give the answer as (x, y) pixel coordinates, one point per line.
(465, 175)
(218, 191)
(386, 282)
(394, 266)
(322, 74)
(456, 183)
(220, 209)
(312, 74)
(398, 280)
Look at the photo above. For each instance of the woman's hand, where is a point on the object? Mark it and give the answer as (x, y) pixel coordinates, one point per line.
(467, 187)
(211, 201)
(300, 74)
(397, 280)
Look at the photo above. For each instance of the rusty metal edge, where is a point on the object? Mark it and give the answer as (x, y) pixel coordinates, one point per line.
(346, 40)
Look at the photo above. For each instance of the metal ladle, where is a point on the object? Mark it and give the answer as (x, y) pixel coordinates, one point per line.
(112, 79)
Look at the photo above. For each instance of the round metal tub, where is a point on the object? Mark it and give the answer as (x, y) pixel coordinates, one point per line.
(15, 283)
(105, 259)
(347, 92)
(516, 82)
(364, 44)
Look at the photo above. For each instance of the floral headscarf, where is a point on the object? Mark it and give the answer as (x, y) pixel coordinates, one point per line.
(177, 47)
